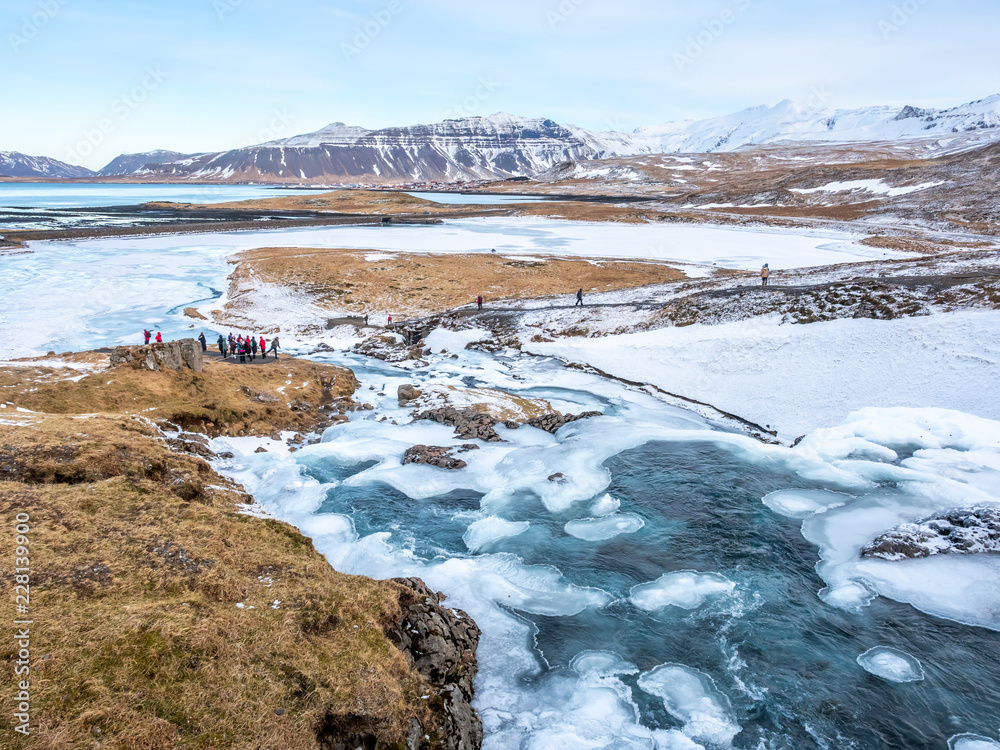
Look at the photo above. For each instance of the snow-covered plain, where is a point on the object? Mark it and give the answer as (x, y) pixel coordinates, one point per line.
(797, 378)
(89, 293)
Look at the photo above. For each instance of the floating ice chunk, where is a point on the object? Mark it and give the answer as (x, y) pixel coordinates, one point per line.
(601, 529)
(601, 664)
(687, 589)
(605, 506)
(492, 529)
(803, 503)
(691, 697)
(891, 664)
(972, 742)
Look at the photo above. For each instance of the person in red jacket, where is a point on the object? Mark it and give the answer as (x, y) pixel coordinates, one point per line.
(263, 347)
(159, 338)
(479, 301)
(147, 334)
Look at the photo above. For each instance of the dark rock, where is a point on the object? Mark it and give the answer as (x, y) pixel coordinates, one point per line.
(261, 449)
(170, 355)
(407, 393)
(558, 477)
(553, 422)
(433, 455)
(441, 644)
(963, 531)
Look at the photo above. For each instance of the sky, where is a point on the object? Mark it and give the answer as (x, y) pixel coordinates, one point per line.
(86, 80)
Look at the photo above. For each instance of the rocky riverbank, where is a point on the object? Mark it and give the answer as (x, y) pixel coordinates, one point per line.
(165, 614)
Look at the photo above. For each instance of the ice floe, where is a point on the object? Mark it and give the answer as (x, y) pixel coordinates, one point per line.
(686, 589)
(891, 664)
(604, 528)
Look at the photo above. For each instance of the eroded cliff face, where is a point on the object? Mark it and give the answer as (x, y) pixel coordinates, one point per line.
(441, 644)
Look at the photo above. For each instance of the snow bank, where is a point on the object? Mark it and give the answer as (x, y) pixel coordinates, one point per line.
(801, 377)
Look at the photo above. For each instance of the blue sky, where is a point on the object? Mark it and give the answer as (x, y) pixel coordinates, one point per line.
(85, 80)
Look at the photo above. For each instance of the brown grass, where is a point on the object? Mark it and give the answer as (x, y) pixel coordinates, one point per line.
(343, 281)
(224, 399)
(376, 202)
(135, 582)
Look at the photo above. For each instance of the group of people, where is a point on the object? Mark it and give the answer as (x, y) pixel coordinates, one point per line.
(148, 335)
(244, 346)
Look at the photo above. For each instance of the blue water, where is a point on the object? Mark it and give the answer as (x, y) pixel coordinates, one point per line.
(463, 199)
(92, 195)
(784, 658)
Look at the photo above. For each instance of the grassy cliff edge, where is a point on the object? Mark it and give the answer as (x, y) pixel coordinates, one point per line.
(163, 617)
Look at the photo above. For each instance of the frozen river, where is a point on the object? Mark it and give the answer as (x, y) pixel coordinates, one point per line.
(87, 293)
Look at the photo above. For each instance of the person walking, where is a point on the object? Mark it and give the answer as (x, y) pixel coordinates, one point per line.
(232, 344)
(274, 347)
(479, 301)
(223, 344)
(204, 341)
(263, 348)
(366, 320)
(579, 299)
(765, 274)
(147, 334)
(159, 338)
(390, 322)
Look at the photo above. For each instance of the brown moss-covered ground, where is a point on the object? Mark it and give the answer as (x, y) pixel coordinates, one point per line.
(226, 398)
(139, 558)
(424, 284)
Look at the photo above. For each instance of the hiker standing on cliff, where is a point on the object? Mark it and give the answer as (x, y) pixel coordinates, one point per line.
(159, 338)
(479, 301)
(223, 346)
(148, 335)
(204, 342)
(765, 274)
(274, 347)
(579, 299)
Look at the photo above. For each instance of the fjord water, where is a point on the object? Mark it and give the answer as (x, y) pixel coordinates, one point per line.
(744, 653)
(100, 194)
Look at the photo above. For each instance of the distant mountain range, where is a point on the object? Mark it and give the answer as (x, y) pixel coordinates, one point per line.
(131, 163)
(503, 146)
(16, 164)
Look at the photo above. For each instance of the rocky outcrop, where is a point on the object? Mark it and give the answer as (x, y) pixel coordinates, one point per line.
(170, 355)
(433, 455)
(552, 422)
(468, 424)
(441, 644)
(964, 531)
(473, 425)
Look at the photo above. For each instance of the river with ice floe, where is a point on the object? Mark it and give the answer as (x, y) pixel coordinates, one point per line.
(684, 586)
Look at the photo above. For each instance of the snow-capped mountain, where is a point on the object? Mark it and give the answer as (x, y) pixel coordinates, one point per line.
(788, 121)
(503, 146)
(16, 164)
(132, 163)
(465, 149)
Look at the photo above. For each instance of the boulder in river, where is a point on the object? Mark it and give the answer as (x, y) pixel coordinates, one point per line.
(963, 531)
